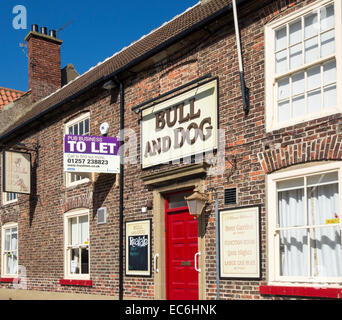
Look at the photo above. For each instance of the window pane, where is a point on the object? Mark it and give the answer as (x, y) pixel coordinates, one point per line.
(291, 208)
(284, 110)
(327, 17)
(293, 253)
(296, 32)
(12, 263)
(311, 25)
(14, 242)
(84, 260)
(296, 58)
(7, 239)
(86, 126)
(73, 231)
(325, 247)
(298, 83)
(314, 101)
(322, 203)
(311, 50)
(280, 39)
(329, 72)
(178, 200)
(298, 106)
(290, 184)
(327, 43)
(81, 129)
(75, 261)
(283, 88)
(83, 221)
(330, 99)
(314, 78)
(281, 62)
(75, 129)
(319, 179)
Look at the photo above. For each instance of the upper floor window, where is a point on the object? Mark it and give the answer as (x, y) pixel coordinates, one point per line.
(9, 197)
(301, 65)
(79, 126)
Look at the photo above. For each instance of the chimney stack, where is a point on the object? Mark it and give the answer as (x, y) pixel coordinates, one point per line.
(44, 58)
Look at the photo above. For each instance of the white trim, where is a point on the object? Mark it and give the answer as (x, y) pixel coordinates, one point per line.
(8, 225)
(5, 201)
(270, 80)
(271, 209)
(71, 214)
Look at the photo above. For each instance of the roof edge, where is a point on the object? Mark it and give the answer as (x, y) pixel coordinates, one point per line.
(129, 65)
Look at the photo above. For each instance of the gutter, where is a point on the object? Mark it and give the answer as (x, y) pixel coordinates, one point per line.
(129, 65)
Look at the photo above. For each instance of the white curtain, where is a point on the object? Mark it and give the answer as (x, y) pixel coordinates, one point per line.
(325, 243)
(293, 243)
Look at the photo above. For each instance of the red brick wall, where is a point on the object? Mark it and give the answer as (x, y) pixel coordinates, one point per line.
(247, 163)
(44, 66)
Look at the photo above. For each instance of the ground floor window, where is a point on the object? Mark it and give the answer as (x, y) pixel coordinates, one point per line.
(9, 250)
(77, 244)
(305, 224)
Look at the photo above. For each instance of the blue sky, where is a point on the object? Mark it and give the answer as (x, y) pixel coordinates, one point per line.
(98, 30)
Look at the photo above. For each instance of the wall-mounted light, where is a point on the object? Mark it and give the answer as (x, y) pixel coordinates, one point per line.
(197, 201)
(109, 85)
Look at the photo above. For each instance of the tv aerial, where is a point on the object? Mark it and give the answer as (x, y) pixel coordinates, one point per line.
(64, 26)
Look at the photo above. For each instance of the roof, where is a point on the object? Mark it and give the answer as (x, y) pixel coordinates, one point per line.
(190, 20)
(8, 95)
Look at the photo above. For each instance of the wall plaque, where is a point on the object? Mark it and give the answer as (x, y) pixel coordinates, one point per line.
(239, 241)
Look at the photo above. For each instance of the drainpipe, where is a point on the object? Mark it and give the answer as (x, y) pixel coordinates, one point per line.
(217, 251)
(244, 89)
(121, 186)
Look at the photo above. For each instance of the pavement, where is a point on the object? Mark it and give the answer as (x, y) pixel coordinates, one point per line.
(19, 294)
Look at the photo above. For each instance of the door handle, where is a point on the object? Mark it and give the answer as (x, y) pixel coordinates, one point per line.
(196, 262)
(156, 256)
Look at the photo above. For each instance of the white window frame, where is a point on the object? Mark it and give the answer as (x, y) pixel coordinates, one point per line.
(6, 226)
(73, 214)
(273, 268)
(271, 77)
(86, 179)
(5, 201)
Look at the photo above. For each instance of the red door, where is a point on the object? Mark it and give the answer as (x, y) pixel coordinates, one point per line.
(181, 247)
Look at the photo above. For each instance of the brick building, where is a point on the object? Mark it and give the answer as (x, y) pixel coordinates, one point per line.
(272, 230)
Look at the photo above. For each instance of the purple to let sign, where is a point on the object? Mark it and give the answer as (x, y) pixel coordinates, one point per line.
(91, 154)
(91, 144)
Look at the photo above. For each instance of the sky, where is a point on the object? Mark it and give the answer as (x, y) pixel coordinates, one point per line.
(93, 30)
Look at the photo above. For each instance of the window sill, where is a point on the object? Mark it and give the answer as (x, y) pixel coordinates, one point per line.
(10, 280)
(70, 282)
(313, 292)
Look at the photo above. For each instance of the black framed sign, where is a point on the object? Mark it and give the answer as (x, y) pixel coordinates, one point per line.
(16, 172)
(138, 248)
(239, 240)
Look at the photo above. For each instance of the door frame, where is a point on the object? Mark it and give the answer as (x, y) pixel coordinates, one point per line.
(160, 237)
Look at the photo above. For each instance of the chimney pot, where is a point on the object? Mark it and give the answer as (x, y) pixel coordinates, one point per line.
(53, 33)
(43, 30)
(34, 28)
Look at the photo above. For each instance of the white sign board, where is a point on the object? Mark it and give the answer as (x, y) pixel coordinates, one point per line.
(180, 127)
(16, 172)
(239, 243)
